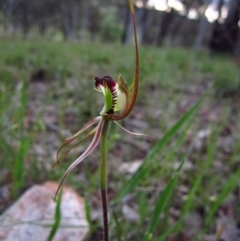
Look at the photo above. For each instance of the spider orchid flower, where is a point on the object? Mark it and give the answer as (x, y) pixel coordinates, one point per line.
(119, 100)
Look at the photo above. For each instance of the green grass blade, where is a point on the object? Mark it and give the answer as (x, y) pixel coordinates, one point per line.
(167, 137)
(229, 186)
(207, 162)
(57, 217)
(18, 169)
(160, 205)
(170, 230)
(146, 167)
(88, 213)
(119, 229)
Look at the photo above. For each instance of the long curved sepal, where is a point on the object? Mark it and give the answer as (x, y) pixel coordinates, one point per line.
(133, 133)
(90, 133)
(72, 138)
(88, 151)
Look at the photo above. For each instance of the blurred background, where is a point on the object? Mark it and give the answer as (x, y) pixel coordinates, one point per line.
(50, 53)
(197, 24)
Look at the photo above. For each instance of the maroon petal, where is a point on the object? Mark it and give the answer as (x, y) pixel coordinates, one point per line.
(111, 84)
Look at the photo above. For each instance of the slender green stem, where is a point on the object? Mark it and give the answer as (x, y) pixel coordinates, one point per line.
(103, 177)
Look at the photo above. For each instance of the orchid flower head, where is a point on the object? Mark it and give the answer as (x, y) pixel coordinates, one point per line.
(119, 100)
(116, 96)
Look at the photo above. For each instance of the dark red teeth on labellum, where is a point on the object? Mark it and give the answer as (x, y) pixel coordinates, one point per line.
(111, 84)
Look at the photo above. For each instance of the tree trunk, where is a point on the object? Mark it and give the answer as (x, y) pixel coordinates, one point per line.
(8, 9)
(224, 36)
(25, 21)
(127, 27)
(65, 19)
(85, 19)
(69, 15)
(219, 8)
(231, 23)
(73, 15)
(166, 19)
(202, 28)
(144, 22)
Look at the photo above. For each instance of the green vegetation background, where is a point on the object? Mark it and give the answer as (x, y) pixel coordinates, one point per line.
(47, 94)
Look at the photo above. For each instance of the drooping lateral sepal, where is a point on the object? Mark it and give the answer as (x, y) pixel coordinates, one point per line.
(88, 151)
(133, 133)
(69, 140)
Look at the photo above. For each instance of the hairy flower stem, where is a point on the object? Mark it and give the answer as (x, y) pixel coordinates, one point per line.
(103, 177)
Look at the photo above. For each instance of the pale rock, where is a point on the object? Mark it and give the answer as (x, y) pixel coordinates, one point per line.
(201, 138)
(31, 216)
(130, 167)
(203, 133)
(130, 213)
(187, 165)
